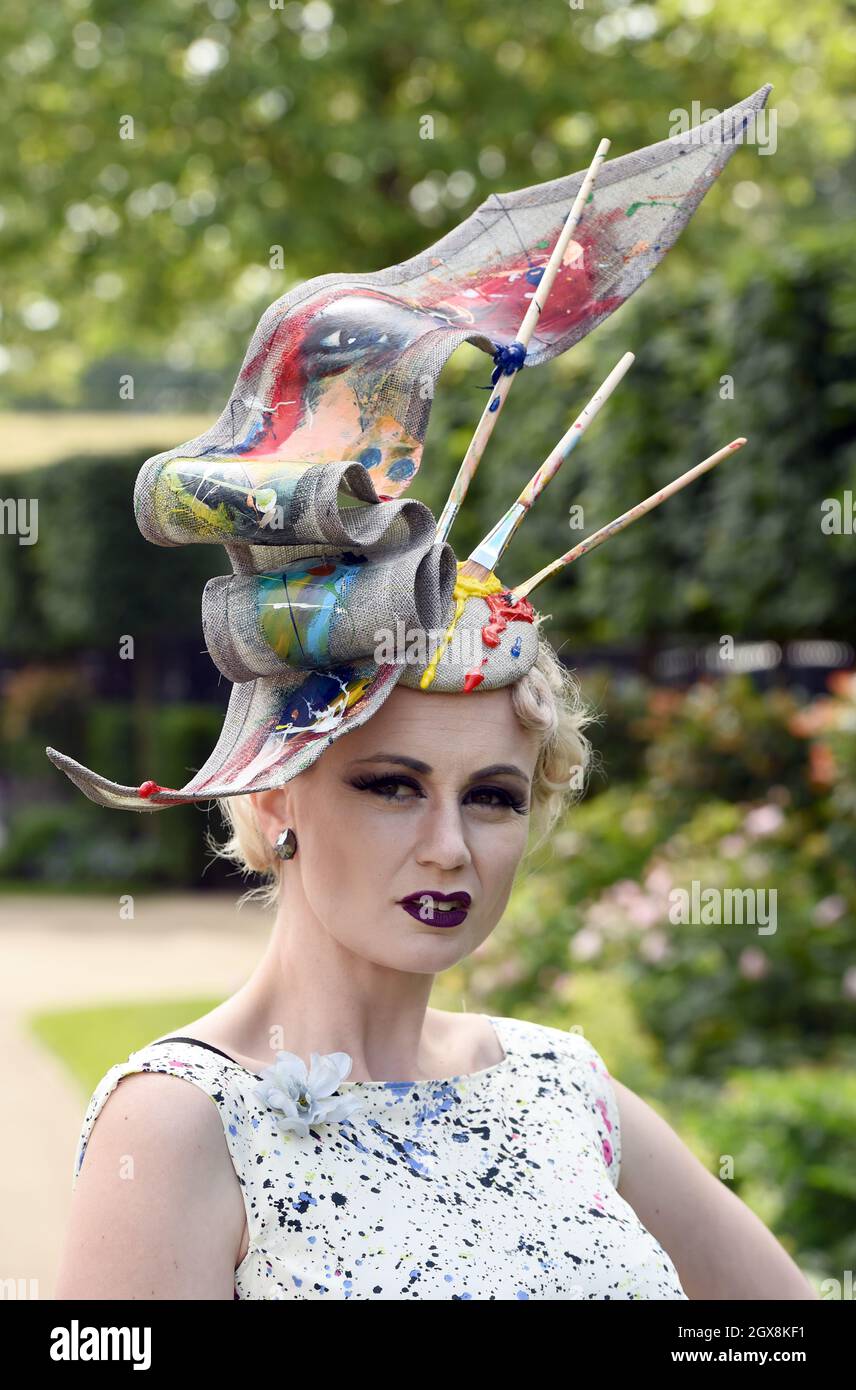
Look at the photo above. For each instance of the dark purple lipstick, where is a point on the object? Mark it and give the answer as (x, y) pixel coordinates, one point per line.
(437, 909)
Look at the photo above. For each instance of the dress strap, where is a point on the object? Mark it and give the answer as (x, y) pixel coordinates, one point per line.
(197, 1042)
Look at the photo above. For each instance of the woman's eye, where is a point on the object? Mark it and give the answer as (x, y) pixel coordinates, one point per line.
(497, 796)
(400, 790)
(385, 787)
(390, 789)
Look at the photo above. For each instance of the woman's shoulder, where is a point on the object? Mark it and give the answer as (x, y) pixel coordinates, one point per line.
(579, 1068)
(567, 1044)
(225, 1083)
(156, 1167)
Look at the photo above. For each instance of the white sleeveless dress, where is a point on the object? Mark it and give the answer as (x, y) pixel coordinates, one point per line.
(500, 1184)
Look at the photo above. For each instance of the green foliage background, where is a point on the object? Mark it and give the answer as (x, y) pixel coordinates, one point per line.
(300, 126)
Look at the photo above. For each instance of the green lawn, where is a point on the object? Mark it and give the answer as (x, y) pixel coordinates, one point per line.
(90, 1041)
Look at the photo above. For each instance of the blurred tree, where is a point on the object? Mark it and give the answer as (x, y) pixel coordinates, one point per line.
(160, 153)
(163, 153)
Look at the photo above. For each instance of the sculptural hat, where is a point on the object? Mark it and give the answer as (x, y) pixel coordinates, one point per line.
(341, 586)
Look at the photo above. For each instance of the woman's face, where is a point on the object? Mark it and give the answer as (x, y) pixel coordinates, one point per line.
(430, 796)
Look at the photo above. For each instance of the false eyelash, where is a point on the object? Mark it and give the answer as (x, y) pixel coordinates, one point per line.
(367, 783)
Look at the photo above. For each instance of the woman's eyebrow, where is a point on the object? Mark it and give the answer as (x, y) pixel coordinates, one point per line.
(495, 769)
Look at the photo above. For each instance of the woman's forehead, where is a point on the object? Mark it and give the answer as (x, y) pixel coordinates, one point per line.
(440, 729)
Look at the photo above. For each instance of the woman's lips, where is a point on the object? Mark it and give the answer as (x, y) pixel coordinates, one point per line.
(425, 907)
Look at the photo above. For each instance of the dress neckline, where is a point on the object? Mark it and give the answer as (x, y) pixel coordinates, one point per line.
(473, 1076)
(470, 1076)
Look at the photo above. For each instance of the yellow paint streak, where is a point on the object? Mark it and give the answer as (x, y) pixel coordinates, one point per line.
(466, 587)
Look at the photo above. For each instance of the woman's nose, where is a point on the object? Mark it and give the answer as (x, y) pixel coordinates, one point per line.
(442, 840)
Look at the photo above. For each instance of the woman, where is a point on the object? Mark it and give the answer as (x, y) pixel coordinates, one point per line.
(492, 1158)
(421, 1155)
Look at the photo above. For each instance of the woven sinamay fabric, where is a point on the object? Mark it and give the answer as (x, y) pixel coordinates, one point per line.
(300, 479)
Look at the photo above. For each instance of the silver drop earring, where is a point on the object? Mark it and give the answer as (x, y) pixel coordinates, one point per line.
(285, 846)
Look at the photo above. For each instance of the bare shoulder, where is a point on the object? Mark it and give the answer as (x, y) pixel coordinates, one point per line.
(469, 1040)
(719, 1247)
(156, 1168)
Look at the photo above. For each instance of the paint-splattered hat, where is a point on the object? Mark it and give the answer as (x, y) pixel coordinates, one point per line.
(341, 587)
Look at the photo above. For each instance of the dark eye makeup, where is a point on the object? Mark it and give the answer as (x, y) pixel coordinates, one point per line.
(384, 788)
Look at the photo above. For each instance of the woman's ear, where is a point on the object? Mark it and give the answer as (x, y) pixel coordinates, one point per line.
(272, 811)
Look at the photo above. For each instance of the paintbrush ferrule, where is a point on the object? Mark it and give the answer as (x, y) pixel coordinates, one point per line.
(489, 551)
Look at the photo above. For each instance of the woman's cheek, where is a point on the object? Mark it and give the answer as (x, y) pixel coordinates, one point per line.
(510, 834)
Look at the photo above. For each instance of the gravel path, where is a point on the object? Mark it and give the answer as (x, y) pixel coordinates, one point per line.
(72, 952)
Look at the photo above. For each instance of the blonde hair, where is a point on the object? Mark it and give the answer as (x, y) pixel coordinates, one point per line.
(546, 700)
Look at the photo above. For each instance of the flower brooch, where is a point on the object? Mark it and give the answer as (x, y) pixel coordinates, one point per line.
(304, 1098)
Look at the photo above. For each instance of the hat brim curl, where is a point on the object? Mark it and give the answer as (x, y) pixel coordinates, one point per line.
(275, 728)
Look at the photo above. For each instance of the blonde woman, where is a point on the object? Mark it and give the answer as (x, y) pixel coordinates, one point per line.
(488, 1158)
(338, 1137)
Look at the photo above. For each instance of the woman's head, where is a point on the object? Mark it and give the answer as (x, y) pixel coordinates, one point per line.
(436, 792)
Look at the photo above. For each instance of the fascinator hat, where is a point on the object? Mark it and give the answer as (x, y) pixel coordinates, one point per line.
(341, 586)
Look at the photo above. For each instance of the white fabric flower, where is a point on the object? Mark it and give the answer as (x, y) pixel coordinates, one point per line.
(303, 1097)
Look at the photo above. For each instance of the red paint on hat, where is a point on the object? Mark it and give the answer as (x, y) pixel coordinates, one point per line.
(149, 788)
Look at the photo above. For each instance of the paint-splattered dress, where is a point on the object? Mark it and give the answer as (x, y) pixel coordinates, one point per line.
(500, 1184)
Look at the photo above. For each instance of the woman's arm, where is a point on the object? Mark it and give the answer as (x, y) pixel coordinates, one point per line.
(718, 1245)
(157, 1212)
